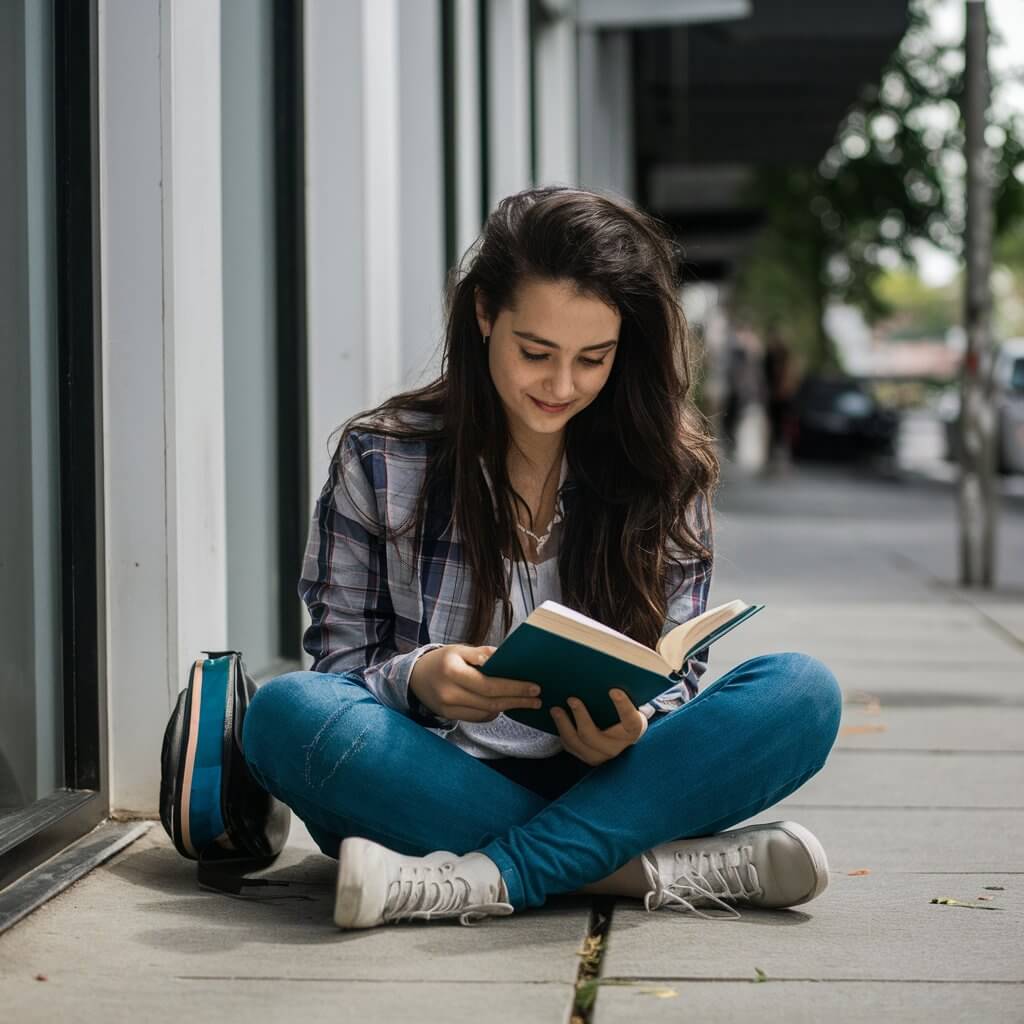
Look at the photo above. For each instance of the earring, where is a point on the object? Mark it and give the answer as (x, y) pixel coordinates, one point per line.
(487, 338)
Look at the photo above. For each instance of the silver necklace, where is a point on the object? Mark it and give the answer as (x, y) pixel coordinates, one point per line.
(547, 533)
(529, 533)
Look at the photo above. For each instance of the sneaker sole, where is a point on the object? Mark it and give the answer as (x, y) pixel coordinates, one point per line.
(355, 856)
(810, 842)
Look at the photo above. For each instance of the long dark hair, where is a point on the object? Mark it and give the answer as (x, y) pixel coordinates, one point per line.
(640, 454)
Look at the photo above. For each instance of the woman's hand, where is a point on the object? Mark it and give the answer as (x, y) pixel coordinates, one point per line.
(449, 682)
(595, 746)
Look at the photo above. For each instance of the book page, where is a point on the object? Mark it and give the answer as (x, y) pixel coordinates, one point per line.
(674, 644)
(584, 620)
(557, 618)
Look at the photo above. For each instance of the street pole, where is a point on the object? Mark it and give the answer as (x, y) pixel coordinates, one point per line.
(977, 497)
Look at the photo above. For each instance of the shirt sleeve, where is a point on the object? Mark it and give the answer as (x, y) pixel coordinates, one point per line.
(344, 583)
(688, 586)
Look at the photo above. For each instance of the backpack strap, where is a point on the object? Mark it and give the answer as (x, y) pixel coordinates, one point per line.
(226, 876)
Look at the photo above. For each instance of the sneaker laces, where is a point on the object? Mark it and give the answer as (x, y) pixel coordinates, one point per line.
(434, 890)
(716, 876)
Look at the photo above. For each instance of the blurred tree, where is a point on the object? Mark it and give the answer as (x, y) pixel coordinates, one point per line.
(895, 174)
(919, 311)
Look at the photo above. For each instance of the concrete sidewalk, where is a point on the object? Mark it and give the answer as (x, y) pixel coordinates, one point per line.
(923, 792)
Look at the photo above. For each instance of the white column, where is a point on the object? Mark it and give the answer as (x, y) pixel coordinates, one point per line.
(160, 225)
(507, 66)
(336, 265)
(555, 57)
(421, 189)
(468, 184)
(381, 234)
(194, 323)
(605, 77)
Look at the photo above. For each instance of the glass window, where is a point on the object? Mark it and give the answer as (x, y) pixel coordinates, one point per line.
(31, 730)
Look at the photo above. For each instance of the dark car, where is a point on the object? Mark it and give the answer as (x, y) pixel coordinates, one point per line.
(837, 417)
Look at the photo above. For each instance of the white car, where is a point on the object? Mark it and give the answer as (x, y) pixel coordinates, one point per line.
(1008, 397)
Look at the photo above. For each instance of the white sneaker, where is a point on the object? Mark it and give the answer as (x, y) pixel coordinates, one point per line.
(778, 864)
(379, 886)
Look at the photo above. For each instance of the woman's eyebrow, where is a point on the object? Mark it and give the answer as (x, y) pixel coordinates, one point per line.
(554, 344)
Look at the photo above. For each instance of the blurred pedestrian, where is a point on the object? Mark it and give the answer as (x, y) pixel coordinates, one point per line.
(744, 384)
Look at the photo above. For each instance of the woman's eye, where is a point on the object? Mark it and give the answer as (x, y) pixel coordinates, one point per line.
(536, 357)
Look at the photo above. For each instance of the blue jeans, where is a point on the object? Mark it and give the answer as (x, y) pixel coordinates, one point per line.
(349, 766)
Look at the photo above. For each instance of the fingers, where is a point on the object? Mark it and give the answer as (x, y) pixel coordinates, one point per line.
(477, 655)
(485, 707)
(582, 737)
(466, 693)
(469, 677)
(633, 720)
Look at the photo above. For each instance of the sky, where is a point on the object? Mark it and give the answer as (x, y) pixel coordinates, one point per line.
(1007, 18)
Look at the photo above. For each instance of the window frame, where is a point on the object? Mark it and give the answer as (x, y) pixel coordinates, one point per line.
(37, 832)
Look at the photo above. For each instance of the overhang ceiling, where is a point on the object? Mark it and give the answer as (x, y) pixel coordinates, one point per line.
(716, 100)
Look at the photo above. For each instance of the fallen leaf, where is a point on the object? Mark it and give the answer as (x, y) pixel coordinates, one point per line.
(41, 977)
(761, 976)
(948, 901)
(860, 871)
(984, 897)
(998, 887)
(661, 993)
(855, 730)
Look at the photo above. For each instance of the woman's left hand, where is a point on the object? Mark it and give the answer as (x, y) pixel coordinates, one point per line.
(595, 746)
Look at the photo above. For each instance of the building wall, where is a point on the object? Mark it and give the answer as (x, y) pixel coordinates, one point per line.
(187, 254)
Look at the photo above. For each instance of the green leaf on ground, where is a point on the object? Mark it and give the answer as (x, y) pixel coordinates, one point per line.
(761, 976)
(948, 901)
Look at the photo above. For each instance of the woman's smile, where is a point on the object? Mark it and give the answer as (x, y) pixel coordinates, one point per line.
(549, 408)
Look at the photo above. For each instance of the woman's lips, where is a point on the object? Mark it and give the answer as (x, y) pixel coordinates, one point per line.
(549, 408)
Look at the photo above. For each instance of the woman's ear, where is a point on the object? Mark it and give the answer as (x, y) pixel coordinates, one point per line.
(482, 320)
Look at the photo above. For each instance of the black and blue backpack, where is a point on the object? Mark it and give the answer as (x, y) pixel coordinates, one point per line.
(213, 809)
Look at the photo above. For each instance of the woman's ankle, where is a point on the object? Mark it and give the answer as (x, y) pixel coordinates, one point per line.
(629, 881)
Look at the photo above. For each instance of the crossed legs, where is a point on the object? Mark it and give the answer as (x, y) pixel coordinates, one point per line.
(347, 765)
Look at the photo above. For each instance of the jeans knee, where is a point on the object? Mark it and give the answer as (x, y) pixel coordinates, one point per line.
(269, 710)
(298, 722)
(812, 696)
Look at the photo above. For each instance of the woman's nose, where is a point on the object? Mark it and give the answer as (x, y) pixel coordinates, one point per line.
(559, 384)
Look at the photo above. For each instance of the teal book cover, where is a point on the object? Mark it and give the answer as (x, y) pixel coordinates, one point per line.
(565, 668)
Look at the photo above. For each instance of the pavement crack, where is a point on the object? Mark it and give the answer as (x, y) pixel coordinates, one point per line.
(591, 955)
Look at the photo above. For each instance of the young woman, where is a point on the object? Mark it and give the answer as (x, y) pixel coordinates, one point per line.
(558, 456)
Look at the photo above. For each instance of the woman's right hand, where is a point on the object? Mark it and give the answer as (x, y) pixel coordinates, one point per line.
(449, 682)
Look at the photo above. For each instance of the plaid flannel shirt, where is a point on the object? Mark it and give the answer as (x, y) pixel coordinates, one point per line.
(377, 607)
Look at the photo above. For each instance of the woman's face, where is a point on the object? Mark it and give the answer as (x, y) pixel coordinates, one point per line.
(550, 356)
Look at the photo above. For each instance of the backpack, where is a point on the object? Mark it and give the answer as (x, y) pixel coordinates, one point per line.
(213, 809)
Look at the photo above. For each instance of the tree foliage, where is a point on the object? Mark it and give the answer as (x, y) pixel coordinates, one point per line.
(894, 174)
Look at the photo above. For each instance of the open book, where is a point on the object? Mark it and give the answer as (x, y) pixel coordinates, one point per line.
(568, 654)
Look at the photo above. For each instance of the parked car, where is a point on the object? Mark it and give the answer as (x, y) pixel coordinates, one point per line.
(1008, 399)
(837, 417)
